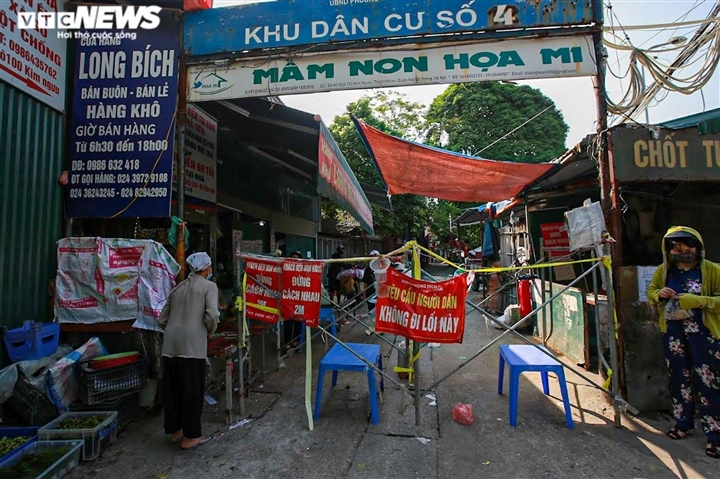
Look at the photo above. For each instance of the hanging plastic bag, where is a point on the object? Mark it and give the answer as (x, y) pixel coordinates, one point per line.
(61, 383)
(463, 414)
(673, 312)
(172, 234)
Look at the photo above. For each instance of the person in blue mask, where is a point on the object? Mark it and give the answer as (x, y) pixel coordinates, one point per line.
(188, 317)
(686, 287)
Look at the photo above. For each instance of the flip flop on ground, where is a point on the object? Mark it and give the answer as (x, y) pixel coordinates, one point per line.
(711, 449)
(676, 433)
(204, 440)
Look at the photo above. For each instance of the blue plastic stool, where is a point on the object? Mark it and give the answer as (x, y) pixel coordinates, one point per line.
(340, 359)
(326, 314)
(523, 358)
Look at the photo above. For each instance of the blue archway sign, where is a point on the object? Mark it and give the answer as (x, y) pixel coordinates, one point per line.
(297, 23)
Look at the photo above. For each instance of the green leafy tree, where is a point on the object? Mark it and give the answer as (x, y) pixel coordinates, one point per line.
(392, 113)
(465, 118)
(468, 117)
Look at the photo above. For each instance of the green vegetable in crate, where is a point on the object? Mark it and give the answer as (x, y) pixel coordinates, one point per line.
(9, 444)
(86, 422)
(32, 465)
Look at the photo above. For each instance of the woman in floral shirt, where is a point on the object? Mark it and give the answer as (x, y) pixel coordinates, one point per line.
(687, 287)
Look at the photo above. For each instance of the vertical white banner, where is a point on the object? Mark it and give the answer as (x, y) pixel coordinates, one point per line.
(200, 155)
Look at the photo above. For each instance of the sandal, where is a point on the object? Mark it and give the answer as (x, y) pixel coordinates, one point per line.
(205, 440)
(711, 449)
(676, 433)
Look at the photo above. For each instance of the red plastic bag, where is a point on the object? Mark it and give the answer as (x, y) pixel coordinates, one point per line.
(190, 5)
(463, 414)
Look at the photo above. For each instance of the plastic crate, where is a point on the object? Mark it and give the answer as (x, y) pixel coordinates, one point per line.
(61, 467)
(30, 404)
(30, 432)
(105, 385)
(31, 341)
(127, 407)
(95, 440)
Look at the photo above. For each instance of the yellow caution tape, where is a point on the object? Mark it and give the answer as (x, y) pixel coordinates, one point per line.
(261, 307)
(359, 259)
(606, 384)
(508, 268)
(239, 303)
(417, 272)
(607, 261)
(409, 370)
(415, 358)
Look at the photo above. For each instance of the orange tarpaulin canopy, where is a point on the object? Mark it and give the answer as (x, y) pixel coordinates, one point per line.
(408, 167)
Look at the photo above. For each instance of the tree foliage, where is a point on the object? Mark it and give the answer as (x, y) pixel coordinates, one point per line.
(392, 113)
(468, 117)
(465, 118)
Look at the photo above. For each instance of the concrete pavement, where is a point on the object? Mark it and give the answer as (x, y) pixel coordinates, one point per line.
(278, 444)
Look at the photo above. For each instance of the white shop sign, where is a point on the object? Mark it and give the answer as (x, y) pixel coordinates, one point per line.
(200, 155)
(33, 60)
(459, 63)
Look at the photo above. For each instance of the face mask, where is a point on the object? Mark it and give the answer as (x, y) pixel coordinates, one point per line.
(684, 257)
(209, 276)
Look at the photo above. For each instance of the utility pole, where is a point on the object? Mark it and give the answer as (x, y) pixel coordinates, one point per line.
(180, 119)
(610, 201)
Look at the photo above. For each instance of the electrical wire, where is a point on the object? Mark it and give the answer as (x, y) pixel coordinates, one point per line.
(513, 130)
(661, 26)
(637, 96)
(617, 57)
(701, 54)
(680, 19)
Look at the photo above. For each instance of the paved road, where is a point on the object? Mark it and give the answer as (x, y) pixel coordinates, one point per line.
(278, 444)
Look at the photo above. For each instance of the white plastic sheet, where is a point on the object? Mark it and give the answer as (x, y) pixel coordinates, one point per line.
(109, 279)
(158, 270)
(585, 226)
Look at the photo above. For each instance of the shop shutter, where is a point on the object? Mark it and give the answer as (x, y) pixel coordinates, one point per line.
(295, 226)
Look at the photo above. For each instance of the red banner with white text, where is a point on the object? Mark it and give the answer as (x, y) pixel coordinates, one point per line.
(266, 272)
(423, 311)
(301, 288)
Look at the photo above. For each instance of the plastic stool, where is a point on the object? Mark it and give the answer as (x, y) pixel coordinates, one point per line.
(33, 340)
(340, 359)
(523, 358)
(326, 314)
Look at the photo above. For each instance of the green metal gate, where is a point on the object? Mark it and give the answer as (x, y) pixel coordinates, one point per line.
(31, 161)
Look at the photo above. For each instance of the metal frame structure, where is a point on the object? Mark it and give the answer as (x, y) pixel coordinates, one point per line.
(600, 263)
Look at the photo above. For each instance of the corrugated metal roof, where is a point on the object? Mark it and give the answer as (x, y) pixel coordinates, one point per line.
(707, 122)
(31, 160)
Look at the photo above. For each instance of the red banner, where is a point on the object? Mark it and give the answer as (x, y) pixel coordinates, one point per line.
(301, 287)
(554, 237)
(265, 272)
(423, 311)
